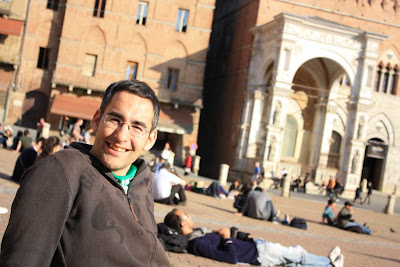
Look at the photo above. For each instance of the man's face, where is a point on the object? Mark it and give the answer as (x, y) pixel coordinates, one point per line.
(349, 207)
(116, 148)
(186, 219)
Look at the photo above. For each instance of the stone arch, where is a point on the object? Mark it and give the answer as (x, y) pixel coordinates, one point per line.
(176, 50)
(134, 49)
(380, 126)
(320, 53)
(176, 57)
(95, 38)
(267, 61)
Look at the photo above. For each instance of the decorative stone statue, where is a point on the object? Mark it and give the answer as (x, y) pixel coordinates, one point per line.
(276, 119)
(354, 163)
(361, 125)
(272, 148)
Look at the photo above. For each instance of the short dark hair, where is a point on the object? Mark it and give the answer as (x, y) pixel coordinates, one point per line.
(135, 87)
(174, 221)
(49, 144)
(331, 201)
(26, 132)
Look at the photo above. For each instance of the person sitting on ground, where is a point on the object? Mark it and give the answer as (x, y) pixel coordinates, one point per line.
(26, 159)
(234, 189)
(218, 245)
(26, 141)
(16, 146)
(241, 198)
(345, 221)
(166, 185)
(259, 205)
(50, 146)
(329, 214)
(8, 138)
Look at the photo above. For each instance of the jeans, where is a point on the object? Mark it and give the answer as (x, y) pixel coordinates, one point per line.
(271, 254)
(364, 229)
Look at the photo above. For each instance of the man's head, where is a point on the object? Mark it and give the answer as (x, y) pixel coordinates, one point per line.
(348, 205)
(79, 122)
(179, 221)
(125, 125)
(137, 88)
(26, 132)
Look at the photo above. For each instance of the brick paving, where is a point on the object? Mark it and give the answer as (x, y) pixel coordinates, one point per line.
(381, 249)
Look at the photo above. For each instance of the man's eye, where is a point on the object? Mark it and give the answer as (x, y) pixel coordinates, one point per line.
(114, 120)
(137, 128)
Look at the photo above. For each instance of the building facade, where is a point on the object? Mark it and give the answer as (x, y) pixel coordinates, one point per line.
(306, 85)
(74, 49)
(12, 19)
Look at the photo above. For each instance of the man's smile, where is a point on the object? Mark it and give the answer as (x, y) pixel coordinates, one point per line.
(115, 147)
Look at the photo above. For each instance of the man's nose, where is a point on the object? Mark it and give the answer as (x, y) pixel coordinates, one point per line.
(122, 132)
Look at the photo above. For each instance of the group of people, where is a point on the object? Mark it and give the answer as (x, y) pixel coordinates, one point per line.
(19, 142)
(92, 205)
(344, 218)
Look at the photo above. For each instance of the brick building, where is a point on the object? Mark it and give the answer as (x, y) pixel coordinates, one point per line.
(12, 18)
(306, 85)
(74, 49)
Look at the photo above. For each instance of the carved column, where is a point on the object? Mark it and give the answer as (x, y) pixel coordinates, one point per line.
(254, 140)
(323, 139)
(355, 142)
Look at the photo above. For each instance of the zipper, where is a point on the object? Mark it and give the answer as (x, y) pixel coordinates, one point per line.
(151, 234)
(131, 207)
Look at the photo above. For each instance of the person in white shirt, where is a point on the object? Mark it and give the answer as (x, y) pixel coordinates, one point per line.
(166, 185)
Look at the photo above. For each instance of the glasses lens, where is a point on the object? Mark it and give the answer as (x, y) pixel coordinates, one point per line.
(135, 131)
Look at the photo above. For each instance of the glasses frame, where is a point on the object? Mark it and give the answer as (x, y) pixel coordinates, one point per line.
(121, 123)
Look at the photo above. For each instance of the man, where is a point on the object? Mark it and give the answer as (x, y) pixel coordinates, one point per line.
(218, 245)
(166, 185)
(369, 193)
(76, 131)
(259, 205)
(92, 205)
(26, 141)
(345, 221)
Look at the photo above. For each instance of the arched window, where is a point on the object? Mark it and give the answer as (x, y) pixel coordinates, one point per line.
(334, 151)
(386, 80)
(289, 138)
(395, 77)
(378, 78)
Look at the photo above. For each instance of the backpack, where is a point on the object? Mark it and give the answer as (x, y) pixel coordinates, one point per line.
(171, 239)
(299, 223)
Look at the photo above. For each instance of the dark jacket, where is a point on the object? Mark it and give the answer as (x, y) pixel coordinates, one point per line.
(230, 250)
(343, 217)
(70, 211)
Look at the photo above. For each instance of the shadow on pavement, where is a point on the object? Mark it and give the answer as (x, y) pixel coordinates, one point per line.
(379, 257)
(214, 207)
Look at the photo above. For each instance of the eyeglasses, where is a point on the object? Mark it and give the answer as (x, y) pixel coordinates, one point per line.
(114, 122)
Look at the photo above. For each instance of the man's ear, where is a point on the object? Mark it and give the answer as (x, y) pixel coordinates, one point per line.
(96, 120)
(151, 140)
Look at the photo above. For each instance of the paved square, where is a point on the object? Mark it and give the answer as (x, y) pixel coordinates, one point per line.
(382, 249)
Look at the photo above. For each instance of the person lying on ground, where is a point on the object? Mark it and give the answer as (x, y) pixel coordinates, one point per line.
(218, 245)
(345, 221)
(166, 185)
